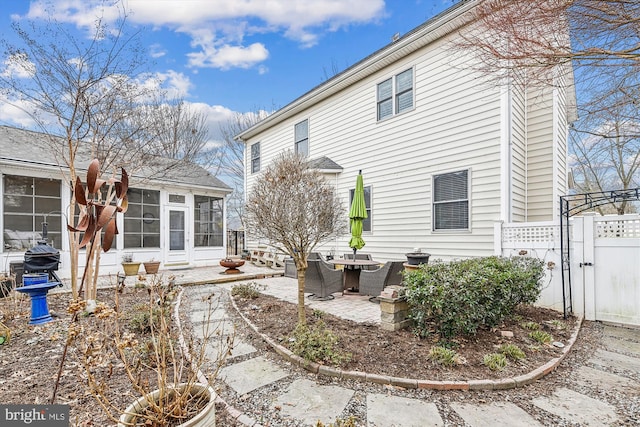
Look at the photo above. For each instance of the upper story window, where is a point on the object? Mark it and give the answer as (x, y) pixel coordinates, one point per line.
(142, 220)
(302, 138)
(395, 95)
(255, 157)
(366, 224)
(26, 201)
(208, 221)
(451, 201)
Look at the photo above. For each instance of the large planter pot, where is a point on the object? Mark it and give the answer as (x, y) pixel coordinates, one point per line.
(131, 268)
(151, 267)
(204, 418)
(417, 258)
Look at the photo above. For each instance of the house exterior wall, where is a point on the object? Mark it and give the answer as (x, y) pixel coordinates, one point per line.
(110, 261)
(454, 125)
(506, 137)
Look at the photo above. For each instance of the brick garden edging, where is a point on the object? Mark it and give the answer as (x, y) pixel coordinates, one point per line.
(501, 384)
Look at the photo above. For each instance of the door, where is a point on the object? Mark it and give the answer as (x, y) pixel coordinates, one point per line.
(178, 235)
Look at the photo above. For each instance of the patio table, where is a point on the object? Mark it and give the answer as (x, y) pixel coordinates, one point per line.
(351, 272)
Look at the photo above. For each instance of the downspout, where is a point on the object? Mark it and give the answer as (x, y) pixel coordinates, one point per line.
(509, 152)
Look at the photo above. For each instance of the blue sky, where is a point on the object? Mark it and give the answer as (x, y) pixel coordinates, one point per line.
(230, 56)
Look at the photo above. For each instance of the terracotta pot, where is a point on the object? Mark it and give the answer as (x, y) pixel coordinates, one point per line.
(205, 418)
(131, 268)
(151, 267)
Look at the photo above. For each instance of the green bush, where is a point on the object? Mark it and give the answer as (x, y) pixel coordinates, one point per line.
(316, 343)
(457, 298)
(495, 361)
(512, 351)
(443, 356)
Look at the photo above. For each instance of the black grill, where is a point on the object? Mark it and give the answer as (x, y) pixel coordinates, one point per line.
(43, 258)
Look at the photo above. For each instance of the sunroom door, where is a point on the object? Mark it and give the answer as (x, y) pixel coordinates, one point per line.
(178, 235)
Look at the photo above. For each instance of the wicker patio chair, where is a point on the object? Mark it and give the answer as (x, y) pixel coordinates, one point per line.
(321, 280)
(372, 282)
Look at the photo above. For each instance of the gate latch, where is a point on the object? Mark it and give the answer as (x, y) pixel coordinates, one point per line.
(590, 264)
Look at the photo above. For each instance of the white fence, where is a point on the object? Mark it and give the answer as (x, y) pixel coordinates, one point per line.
(605, 263)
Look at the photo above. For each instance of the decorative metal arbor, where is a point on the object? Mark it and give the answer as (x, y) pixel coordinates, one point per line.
(574, 204)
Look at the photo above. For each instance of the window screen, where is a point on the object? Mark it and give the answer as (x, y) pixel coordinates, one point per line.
(451, 201)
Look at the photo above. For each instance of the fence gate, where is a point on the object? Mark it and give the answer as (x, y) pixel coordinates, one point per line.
(235, 242)
(599, 292)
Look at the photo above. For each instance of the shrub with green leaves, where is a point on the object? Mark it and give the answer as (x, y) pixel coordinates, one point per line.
(495, 361)
(540, 336)
(457, 298)
(249, 290)
(443, 356)
(512, 351)
(316, 343)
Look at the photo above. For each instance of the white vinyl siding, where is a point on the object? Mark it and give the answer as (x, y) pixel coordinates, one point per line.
(454, 124)
(302, 138)
(395, 95)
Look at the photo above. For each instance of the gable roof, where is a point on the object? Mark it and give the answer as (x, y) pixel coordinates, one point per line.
(325, 164)
(433, 29)
(29, 148)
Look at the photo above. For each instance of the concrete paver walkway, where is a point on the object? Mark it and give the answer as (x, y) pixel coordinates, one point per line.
(304, 401)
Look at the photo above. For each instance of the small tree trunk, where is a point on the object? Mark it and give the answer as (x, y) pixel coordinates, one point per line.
(302, 318)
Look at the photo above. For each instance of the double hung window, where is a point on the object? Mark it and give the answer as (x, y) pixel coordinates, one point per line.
(366, 224)
(302, 138)
(451, 201)
(395, 95)
(255, 157)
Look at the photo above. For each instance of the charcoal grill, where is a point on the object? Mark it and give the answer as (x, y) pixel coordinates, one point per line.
(43, 258)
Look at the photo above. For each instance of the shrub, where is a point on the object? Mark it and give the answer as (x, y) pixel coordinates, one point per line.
(495, 361)
(443, 356)
(316, 343)
(249, 290)
(532, 326)
(541, 337)
(459, 297)
(512, 351)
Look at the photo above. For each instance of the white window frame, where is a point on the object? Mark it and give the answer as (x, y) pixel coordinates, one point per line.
(395, 94)
(369, 208)
(442, 202)
(255, 158)
(297, 142)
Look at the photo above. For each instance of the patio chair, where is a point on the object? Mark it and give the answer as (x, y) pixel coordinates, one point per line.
(278, 260)
(372, 282)
(321, 280)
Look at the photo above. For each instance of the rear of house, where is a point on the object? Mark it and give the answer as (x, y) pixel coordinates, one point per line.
(444, 153)
(177, 218)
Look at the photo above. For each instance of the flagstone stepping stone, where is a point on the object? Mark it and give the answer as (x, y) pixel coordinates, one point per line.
(240, 348)
(201, 316)
(629, 347)
(577, 408)
(628, 334)
(216, 327)
(591, 377)
(251, 374)
(388, 411)
(307, 401)
(608, 359)
(503, 414)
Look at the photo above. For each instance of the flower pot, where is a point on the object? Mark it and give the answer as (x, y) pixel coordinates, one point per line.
(131, 268)
(151, 267)
(205, 418)
(417, 258)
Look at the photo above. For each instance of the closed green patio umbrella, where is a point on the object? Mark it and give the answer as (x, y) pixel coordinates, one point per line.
(357, 214)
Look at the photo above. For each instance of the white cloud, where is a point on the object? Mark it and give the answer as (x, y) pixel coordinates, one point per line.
(156, 51)
(18, 66)
(227, 22)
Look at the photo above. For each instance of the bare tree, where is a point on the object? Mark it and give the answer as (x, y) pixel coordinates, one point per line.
(605, 142)
(90, 94)
(510, 37)
(231, 159)
(294, 209)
